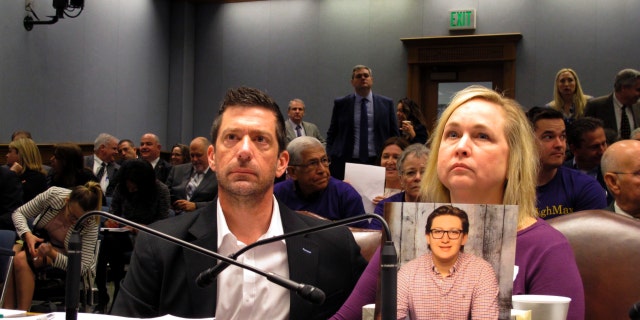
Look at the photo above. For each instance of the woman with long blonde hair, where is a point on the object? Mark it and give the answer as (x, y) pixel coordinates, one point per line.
(483, 152)
(568, 96)
(24, 159)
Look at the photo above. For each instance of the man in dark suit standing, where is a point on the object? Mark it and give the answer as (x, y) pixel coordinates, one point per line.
(247, 153)
(103, 162)
(619, 110)
(360, 123)
(193, 185)
(150, 151)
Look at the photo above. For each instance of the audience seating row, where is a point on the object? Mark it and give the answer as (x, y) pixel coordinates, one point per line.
(607, 250)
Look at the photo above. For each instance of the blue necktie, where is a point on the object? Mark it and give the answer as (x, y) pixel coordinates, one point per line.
(298, 132)
(193, 184)
(364, 132)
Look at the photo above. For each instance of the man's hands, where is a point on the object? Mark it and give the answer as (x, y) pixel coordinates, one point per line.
(184, 205)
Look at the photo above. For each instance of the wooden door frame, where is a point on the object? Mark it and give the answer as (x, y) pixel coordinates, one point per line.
(426, 55)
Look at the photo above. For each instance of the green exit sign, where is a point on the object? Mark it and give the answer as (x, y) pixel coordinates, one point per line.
(462, 20)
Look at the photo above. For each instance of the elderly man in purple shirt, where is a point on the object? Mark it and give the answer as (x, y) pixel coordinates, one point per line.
(311, 187)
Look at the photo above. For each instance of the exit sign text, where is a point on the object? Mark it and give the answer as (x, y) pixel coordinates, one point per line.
(462, 20)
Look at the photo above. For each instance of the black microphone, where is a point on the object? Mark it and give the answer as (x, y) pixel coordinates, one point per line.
(388, 280)
(634, 312)
(72, 284)
(388, 261)
(307, 292)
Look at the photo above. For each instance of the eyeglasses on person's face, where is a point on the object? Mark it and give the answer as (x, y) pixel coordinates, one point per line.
(413, 173)
(314, 163)
(636, 174)
(452, 234)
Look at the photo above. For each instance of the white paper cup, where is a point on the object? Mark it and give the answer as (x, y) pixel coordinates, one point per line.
(543, 307)
(368, 311)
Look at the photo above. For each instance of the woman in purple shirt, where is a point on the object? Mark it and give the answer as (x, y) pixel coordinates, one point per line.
(484, 152)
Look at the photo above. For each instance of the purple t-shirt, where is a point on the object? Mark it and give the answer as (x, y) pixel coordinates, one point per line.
(338, 201)
(569, 191)
(546, 265)
(397, 197)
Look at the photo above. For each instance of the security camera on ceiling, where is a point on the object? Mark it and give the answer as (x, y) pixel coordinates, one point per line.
(68, 8)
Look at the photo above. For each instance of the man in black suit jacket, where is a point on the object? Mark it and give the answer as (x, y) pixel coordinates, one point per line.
(587, 141)
(609, 108)
(127, 151)
(105, 150)
(343, 136)
(247, 154)
(204, 179)
(150, 148)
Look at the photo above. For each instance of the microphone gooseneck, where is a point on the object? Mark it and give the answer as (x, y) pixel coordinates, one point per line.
(314, 295)
(388, 261)
(206, 277)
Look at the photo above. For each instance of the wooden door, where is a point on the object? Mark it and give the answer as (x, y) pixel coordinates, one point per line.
(433, 61)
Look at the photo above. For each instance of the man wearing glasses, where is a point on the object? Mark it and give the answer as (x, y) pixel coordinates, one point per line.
(311, 187)
(621, 170)
(360, 123)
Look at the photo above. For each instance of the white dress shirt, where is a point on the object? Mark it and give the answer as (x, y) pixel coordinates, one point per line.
(104, 181)
(243, 294)
(155, 162)
(620, 211)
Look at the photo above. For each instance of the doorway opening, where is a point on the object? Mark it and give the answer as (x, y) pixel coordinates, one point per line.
(440, 65)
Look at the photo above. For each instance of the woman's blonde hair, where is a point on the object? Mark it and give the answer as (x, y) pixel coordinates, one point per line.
(29, 154)
(522, 171)
(579, 98)
(88, 197)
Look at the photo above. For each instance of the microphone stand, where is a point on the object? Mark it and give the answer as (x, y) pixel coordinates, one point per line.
(308, 292)
(72, 283)
(388, 261)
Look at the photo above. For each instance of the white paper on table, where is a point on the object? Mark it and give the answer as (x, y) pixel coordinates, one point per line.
(9, 313)
(368, 180)
(93, 316)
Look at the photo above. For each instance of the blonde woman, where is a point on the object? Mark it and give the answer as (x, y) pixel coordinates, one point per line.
(568, 96)
(24, 159)
(483, 152)
(55, 212)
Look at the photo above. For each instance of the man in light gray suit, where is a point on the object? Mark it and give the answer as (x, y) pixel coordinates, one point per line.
(193, 185)
(296, 127)
(103, 162)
